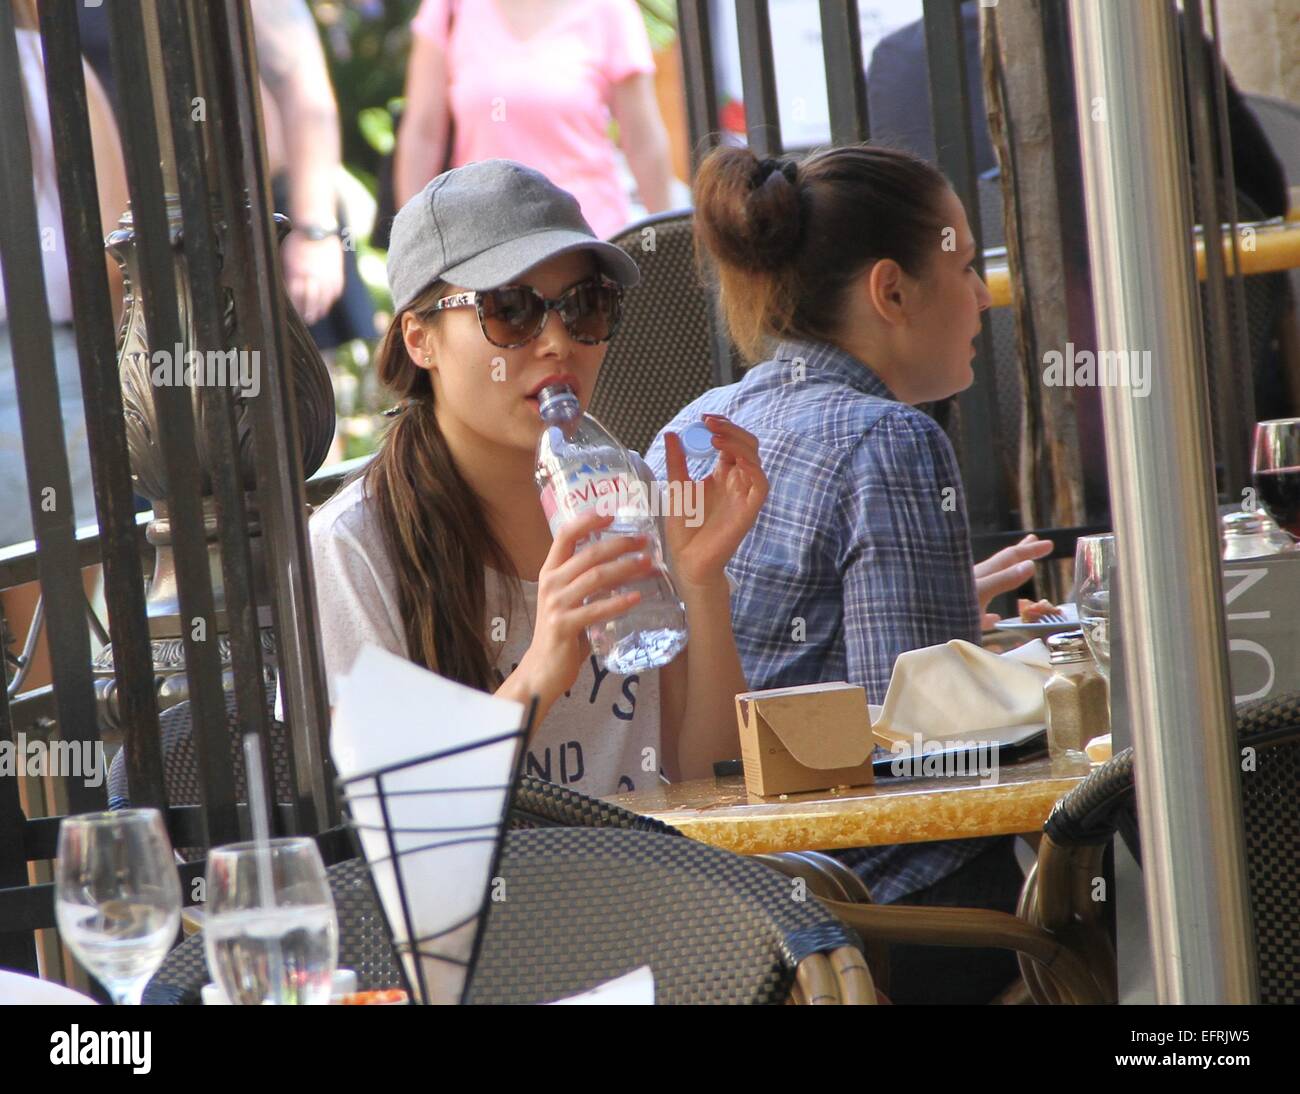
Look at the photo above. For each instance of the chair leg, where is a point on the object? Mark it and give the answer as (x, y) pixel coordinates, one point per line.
(1027, 910)
(973, 927)
(1058, 899)
(827, 884)
(816, 983)
(856, 985)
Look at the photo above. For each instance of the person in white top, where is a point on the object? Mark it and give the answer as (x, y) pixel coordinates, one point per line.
(441, 551)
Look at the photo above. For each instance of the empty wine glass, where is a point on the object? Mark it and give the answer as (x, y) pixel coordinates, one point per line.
(270, 929)
(117, 896)
(1094, 564)
(1275, 470)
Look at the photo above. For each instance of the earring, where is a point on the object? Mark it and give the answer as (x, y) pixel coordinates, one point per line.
(427, 359)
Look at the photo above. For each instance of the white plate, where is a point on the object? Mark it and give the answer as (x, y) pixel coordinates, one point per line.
(1018, 626)
(19, 988)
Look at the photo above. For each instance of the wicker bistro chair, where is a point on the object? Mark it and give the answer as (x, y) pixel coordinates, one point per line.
(180, 756)
(585, 905)
(540, 804)
(588, 904)
(1057, 897)
(364, 944)
(662, 357)
(181, 763)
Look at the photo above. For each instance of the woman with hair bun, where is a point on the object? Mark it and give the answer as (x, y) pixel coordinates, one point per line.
(848, 277)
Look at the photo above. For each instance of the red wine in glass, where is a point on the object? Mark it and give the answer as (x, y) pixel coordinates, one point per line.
(1279, 492)
(1275, 468)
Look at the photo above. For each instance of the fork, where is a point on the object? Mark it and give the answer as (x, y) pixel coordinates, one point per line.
(1053, 617)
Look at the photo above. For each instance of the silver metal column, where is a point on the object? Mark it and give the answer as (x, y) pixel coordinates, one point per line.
(1133, 132)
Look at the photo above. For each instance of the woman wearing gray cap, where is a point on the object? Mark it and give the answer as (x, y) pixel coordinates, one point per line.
(440, 550)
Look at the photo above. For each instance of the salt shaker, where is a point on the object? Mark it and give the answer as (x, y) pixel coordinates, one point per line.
(1076, 696)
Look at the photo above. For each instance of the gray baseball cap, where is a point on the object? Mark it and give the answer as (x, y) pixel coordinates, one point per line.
(484, 224)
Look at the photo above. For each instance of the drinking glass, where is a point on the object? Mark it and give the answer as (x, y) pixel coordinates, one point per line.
(1275, 469)
(1094, 563)
(117, 896)
(271, 933)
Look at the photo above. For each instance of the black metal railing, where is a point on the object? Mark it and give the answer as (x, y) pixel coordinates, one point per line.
(993, 511)
(986, 493)
(213, 160)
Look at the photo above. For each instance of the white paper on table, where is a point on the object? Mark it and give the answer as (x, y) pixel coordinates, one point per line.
(635, 989)
(1033, 653)
(389, 710)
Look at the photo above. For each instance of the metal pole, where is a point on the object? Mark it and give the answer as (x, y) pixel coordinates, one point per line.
(40, 414)
(1133, 132)
(945, 50)
(758, 77)
(83, 233)
(259, 306)
(846, 77)
(696, 37)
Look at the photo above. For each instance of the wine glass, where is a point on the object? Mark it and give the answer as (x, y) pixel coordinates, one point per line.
(1275, 469)
(270, 929)
(117, 896)
(1094, 563)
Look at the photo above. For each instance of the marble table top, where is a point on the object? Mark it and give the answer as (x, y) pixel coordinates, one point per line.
(894, 810)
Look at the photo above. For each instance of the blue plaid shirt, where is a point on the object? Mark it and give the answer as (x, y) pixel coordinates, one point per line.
(860, 552)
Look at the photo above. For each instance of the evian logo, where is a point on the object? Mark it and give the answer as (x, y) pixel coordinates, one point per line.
(103, 1046)
(587, 488)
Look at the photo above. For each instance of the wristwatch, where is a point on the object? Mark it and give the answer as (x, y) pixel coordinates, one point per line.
(317, 232)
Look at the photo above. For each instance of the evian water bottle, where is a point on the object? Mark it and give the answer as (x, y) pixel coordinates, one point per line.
(581, 467)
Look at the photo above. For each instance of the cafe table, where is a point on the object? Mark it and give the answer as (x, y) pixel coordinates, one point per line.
(892, 810)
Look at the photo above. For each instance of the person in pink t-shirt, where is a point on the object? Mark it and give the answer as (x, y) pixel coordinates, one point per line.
(536, 81)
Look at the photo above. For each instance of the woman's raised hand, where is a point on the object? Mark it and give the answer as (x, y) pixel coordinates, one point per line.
(729, 501)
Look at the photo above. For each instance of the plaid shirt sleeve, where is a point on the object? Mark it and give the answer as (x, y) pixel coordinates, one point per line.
(904, 548)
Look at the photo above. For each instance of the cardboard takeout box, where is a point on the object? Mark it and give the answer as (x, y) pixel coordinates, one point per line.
(812, 737)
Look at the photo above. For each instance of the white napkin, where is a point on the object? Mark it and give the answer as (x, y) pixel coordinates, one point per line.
(634, 989)
(389, 710)
(956, 689)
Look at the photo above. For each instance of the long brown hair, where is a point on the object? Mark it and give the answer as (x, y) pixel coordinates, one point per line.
(786, 238)
(434, 525)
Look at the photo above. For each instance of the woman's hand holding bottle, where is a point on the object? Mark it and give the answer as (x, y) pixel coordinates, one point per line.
(568, 577)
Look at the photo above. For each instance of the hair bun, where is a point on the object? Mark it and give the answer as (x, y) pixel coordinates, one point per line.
(769, 166)
(747, 209)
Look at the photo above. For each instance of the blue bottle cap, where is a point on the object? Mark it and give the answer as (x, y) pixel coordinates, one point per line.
(697, 440)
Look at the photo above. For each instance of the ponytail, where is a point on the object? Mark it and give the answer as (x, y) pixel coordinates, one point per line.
(434, 525)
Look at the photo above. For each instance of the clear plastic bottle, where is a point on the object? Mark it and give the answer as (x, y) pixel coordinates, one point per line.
(581, 467)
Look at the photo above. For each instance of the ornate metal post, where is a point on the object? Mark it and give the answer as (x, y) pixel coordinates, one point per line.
(141, 367)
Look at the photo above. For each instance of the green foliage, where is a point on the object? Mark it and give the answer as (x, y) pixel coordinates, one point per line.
(660, 21)
(366, 46)
(376, 125)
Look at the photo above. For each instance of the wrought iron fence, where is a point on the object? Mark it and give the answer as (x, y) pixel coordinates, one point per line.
(992, 508)
(227, 463)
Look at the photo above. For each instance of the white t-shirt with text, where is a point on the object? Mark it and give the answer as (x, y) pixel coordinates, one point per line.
(601, 737)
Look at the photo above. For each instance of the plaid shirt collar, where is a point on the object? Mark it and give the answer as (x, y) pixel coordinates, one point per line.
(829, 360)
